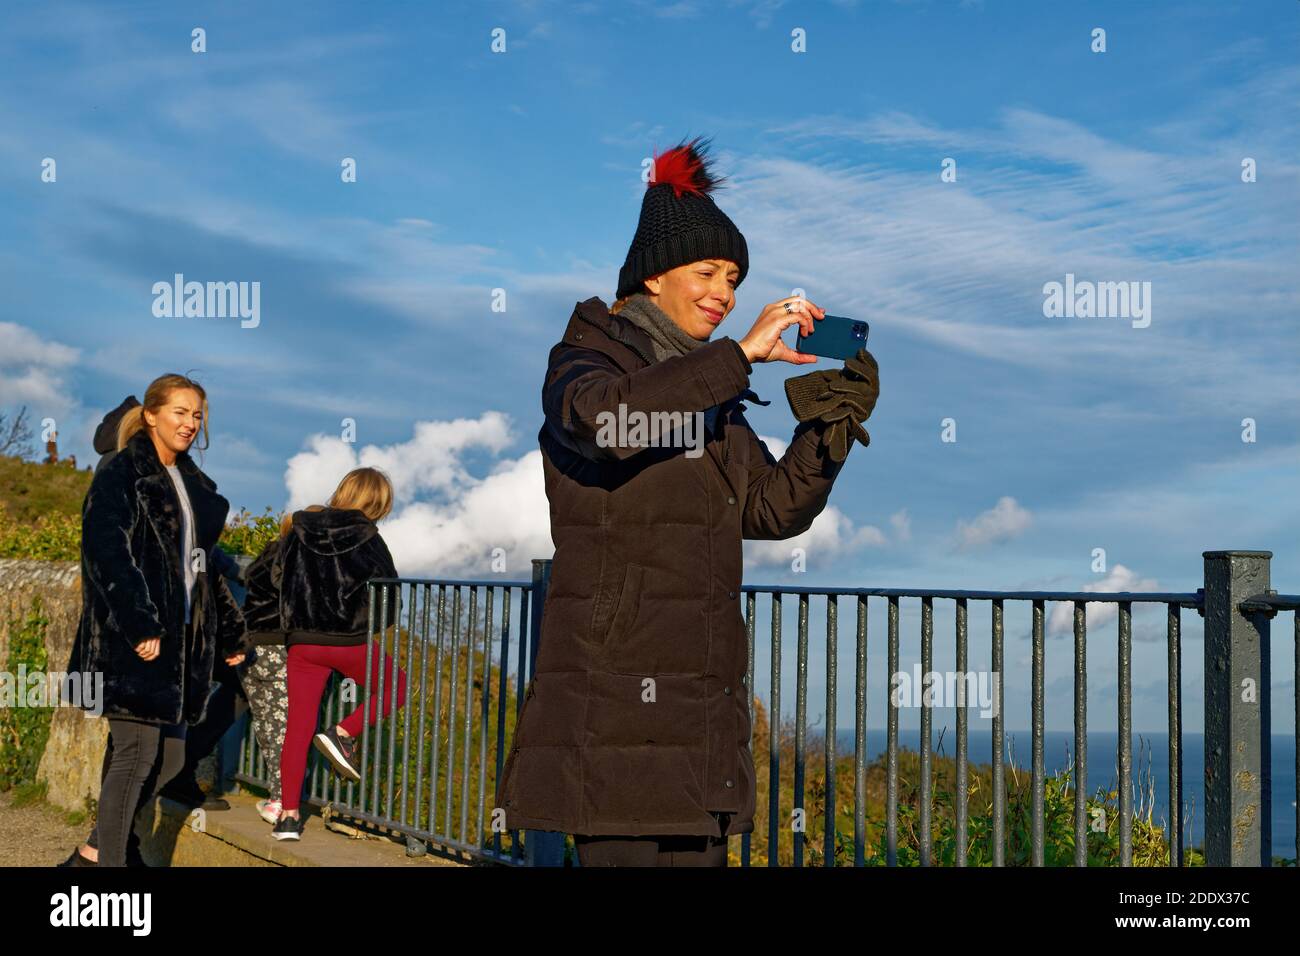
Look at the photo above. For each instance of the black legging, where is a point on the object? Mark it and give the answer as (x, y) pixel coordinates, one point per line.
(139, 759)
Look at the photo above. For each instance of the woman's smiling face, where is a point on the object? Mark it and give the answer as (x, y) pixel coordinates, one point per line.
(697, 296)
(177, 423)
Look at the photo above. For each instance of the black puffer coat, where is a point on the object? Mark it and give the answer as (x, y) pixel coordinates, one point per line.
(132, 588)
(637, 719)
(326, 560)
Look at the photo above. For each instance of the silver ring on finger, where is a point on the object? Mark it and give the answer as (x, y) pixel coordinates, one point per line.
(788, 309)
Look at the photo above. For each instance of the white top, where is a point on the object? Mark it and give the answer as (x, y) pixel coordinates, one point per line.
(187, 535)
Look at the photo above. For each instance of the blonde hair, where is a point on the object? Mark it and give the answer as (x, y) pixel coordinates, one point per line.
(367, 490)
(156, 396)
(286, 523)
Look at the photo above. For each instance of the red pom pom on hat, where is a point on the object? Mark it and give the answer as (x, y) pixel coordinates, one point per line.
(686, 167)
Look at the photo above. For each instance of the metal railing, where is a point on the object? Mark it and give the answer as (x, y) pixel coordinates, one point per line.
(412, 784)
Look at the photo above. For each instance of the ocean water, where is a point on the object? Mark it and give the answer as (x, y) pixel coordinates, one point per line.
(1150, 753)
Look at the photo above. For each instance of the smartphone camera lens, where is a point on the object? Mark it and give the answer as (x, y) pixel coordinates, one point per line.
(859, 331)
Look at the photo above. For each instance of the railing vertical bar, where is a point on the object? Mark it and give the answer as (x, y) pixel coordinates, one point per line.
(1080, 734)
(999, 746)
(422, 685)
(452, 685)
(504, 658)
(1125, 755)
(345, 792)
(832, 616)
(800, 729)
(382, 727)
(469, 713)
(525, 595)
(365, 702)
(484, 715)
(962, 735)
(751, 607)
(1295, 621)
(1038, 777)
(891, 758)
(435, 749)
(927, 723)
(406, 709)
(1174, 642)
(774, 739)
(860, 738)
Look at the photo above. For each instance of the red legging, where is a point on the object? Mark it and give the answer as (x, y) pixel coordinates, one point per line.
(308, 671)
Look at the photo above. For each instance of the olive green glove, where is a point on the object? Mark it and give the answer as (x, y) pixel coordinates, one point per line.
(842, 398)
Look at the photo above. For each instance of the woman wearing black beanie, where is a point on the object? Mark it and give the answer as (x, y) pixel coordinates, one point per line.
(634, 731)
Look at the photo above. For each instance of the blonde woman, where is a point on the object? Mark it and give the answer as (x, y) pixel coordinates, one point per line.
(325, 561)
(153, 620)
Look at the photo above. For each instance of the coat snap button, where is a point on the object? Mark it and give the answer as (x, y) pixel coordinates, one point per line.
(726, 690)
(731, 594)
(730, 784)
(578, 336)
(731, 499)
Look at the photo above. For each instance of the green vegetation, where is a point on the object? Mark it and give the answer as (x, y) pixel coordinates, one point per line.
(24, 730)
(40, 514)
(52, 537)
(247, 533)
(40, 510)
(30, 490)
(1150, 846)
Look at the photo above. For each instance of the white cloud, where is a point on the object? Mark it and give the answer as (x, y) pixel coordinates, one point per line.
(1120, 578)
(31, 373)
(446, 518)
(831, 537)
(902, 525)
(1004, 520)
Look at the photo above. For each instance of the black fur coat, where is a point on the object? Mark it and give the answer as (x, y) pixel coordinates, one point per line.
(262, 601)
(132, 588)
(326, 559)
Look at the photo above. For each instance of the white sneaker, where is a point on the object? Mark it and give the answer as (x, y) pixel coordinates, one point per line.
(269, 810)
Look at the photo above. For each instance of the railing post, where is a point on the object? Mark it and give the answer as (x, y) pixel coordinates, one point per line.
(1238, 779)
(541, 847)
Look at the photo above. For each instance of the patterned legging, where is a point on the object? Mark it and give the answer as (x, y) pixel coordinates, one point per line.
(266, 685)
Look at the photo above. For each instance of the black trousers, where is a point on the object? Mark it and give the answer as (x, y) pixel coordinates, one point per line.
(139, 759)
(652, 850)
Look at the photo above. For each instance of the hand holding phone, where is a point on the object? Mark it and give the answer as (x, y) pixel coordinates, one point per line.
(835, 336)
(764, 343)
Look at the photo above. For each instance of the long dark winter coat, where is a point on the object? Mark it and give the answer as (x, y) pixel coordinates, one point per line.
(132, 588)
(326, 560)
(644, 593)
(262, 600)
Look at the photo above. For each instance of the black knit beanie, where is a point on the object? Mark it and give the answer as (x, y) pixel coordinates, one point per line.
(679, 221)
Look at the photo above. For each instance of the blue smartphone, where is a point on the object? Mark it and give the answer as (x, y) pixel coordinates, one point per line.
(834, 336)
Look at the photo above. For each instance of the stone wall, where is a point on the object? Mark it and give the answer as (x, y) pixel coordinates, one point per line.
(75, 751)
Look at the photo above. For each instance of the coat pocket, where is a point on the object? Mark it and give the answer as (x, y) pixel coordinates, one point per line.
(627, 604)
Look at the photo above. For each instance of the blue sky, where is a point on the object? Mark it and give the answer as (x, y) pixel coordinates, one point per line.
(521, 171)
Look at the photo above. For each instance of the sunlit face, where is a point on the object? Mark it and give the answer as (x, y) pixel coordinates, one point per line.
(177, 423)
(697, 296)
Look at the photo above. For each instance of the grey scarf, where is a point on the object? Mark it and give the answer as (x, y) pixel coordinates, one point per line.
(665, 334)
